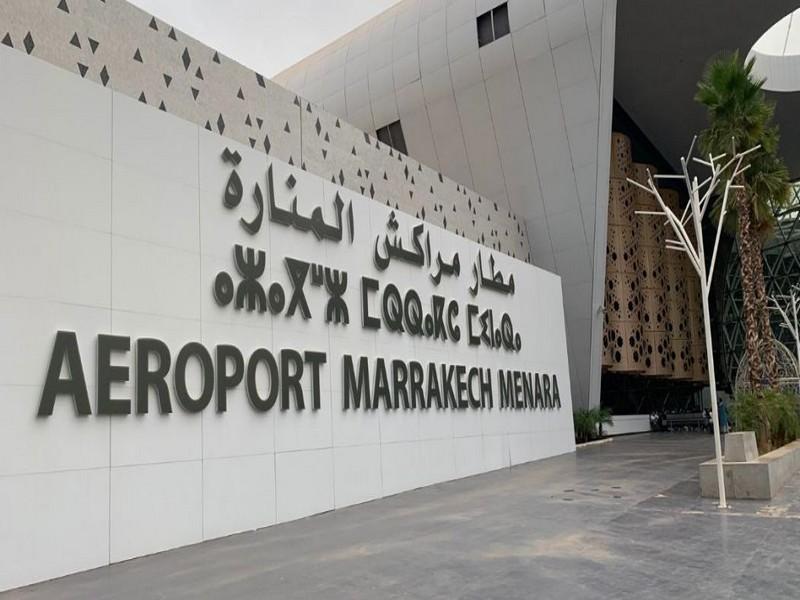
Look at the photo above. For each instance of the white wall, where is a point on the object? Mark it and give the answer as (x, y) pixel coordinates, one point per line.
(628, 424)
(111, 221)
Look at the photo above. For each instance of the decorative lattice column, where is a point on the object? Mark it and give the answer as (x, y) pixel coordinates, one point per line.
(677, 301)
(697, 340)
(650, 232)
(623, 340)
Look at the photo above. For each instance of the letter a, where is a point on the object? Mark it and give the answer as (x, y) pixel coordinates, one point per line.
(65, 350)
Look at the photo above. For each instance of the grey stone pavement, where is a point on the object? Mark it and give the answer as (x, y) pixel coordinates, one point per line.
(617, 520)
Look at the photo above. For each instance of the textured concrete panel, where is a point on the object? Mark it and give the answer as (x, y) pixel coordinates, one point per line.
(121, 47)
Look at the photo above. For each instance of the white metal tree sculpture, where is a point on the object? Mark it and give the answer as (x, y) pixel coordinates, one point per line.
(787, 306)
(701, 194)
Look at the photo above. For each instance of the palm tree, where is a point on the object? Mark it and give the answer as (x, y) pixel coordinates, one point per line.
(603, 416)
(589, 423)
(740, 117)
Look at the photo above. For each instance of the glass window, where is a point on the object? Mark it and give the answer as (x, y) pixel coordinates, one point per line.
(398, 139)
(493, 24)
(501, 26)
(485, 34)
(383, 135)
(392, 135)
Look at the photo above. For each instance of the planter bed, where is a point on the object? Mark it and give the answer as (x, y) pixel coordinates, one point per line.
(748, 475)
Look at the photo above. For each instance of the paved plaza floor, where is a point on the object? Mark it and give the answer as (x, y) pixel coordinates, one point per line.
(621, 519)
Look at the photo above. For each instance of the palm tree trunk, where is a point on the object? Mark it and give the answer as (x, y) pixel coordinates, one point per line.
(767, 350)
(752, 329)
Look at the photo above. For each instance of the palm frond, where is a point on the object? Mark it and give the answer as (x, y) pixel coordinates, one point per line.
(739, 112)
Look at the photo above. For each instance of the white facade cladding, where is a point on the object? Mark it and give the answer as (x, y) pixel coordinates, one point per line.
(119, 46)
(525, 120)
(119, 228)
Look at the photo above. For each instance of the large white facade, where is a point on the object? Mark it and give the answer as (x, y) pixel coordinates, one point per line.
(524, 120)
(112, 222)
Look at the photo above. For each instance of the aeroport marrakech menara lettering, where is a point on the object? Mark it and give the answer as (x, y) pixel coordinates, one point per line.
(368, 382)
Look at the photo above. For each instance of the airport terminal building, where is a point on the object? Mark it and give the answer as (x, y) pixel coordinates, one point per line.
(229, 301)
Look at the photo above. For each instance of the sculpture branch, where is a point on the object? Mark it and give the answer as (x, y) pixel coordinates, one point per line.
(790, 322)
(701, 194)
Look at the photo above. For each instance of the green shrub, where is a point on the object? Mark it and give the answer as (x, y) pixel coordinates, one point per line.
(584, 425)
(773, 416)
(589, 423)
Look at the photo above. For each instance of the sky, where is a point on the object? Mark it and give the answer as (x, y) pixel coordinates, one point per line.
(265, 35)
